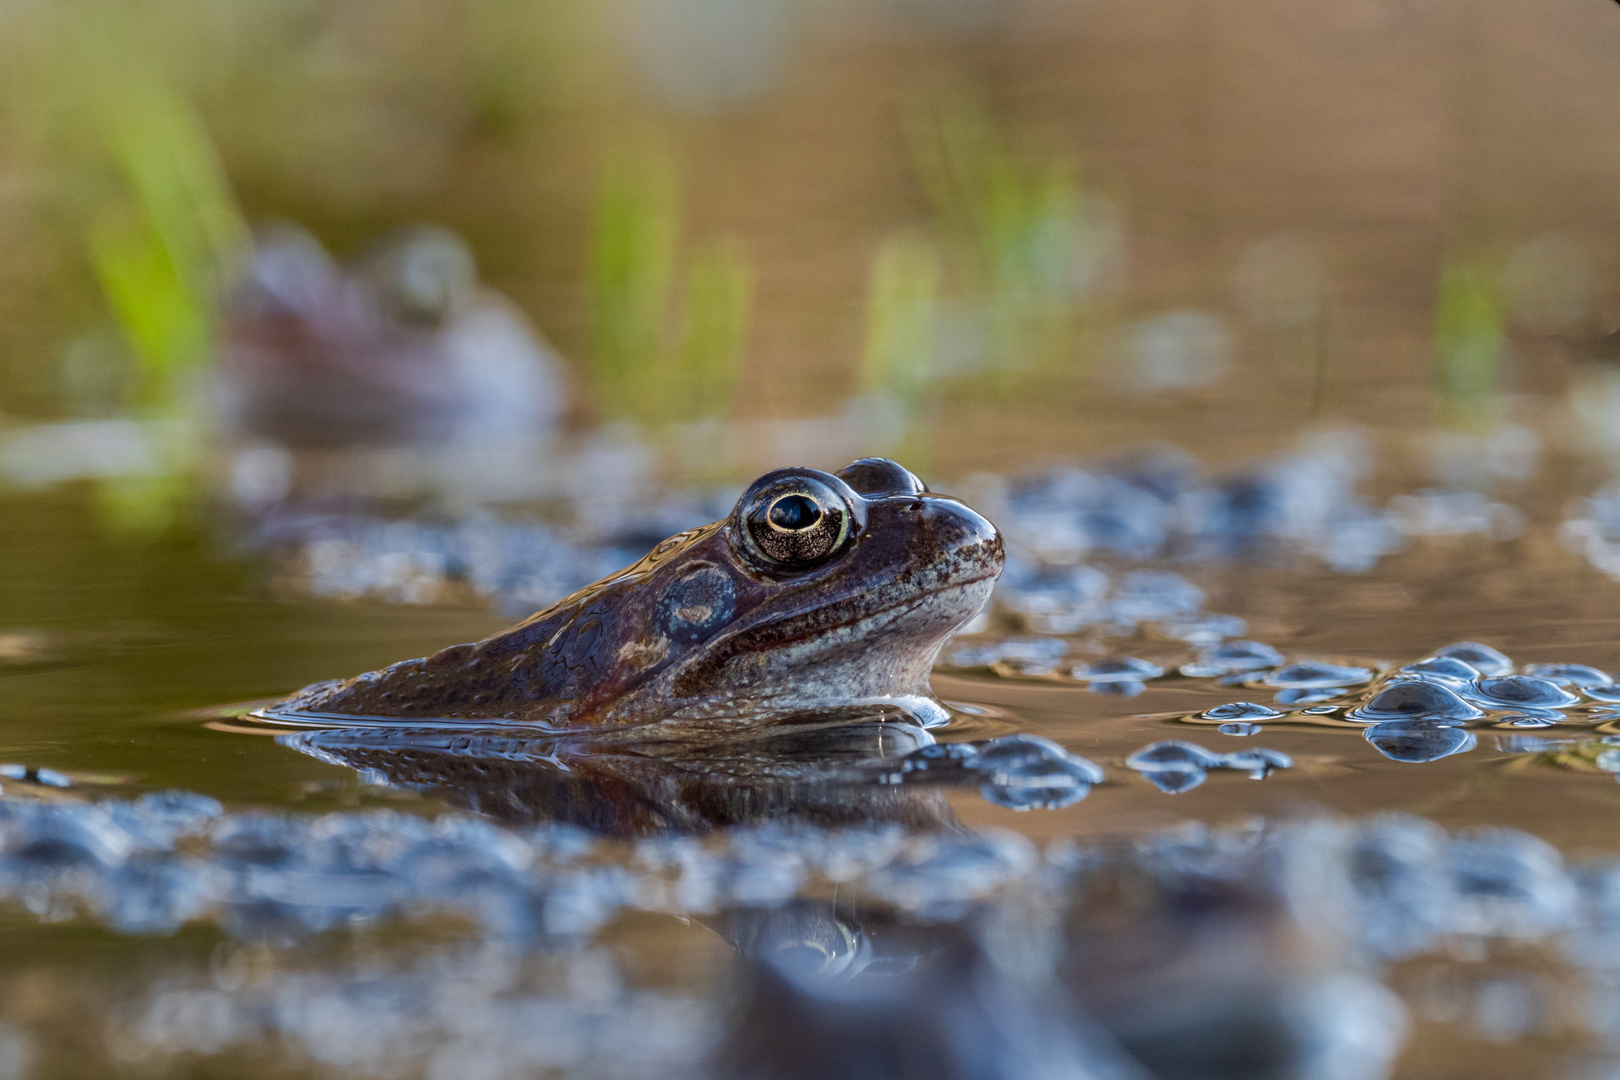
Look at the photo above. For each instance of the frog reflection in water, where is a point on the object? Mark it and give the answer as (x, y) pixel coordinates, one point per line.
(819, 592)
(822, 775)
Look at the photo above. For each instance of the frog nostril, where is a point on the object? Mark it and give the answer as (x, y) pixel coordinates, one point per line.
(795, 513)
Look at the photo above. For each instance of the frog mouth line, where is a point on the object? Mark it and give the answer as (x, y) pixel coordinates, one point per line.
(738, 643)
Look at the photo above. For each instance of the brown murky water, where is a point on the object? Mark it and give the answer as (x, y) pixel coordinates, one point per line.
(117, 655)
(1384, 139)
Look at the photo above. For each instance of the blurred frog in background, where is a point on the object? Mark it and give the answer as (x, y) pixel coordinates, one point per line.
(403, 349)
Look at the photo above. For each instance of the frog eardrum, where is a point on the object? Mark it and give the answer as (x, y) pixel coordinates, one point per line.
(796, 519)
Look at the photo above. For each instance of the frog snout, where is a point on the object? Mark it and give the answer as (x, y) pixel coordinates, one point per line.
(964, 538)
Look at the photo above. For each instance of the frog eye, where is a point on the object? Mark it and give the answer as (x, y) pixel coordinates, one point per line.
(795, 519)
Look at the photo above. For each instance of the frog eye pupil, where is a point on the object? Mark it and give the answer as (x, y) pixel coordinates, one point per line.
(793, 520)
(796, 529)
(795, 513)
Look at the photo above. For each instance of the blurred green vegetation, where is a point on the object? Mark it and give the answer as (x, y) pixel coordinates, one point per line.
(166, 252)
(653, 364)
(708, 359)
(165, 239)
(120, 121)
(631, 256)
(1469, 343)
(1014, 226)
(899, 359)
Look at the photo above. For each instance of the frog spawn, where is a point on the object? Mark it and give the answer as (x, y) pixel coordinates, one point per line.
(1026, 772)
(1175, 767)
(1402, 711)
(1020, 772)
(1419, 712)
(308, 873)
(1395, 887)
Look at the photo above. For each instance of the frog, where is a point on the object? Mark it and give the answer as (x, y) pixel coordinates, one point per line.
(820, 593)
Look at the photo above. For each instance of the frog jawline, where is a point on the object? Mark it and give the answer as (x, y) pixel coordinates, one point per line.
(908, 602)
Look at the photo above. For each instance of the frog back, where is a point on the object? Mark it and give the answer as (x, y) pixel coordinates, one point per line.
(557, 668)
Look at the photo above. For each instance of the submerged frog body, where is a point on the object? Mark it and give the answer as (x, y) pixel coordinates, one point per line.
(819, 591)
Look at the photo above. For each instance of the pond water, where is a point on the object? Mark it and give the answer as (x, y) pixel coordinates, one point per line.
(1206, 806)
(1289, 757)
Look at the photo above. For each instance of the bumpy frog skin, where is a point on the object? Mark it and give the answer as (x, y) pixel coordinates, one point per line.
(819, 592)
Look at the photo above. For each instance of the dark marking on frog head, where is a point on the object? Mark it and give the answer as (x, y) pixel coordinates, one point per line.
(696, 604)
(819, 590)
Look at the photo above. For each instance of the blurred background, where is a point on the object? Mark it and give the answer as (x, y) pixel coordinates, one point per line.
(508, 250)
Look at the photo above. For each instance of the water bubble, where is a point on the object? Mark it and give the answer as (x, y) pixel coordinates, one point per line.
(1397, 868)
(1203, 628)
(1418, 740)
(1320, 710)
(1178, 766)
(937, 874)
(1526, 721)
(948, 756)
(1133, 521)
(1522, 691)
(1239, 729)
(1607, 694)
(1571, 675)
(1445, 669)
(1509, 883)
(1457, 512)
(1237, 656)
(155, 894)
(1301, 696)
(1118, 669)
(184, 811)
(1053, 599)
(1174, 754)
(1416, 700)
(1025, 772)
(1482, 657)
(1154, 595)
(1118, 688)
(1174, 781)
(1016, 751)
(1313, 675)
(1241, 710)
(1029, 655)
(1258, 763)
